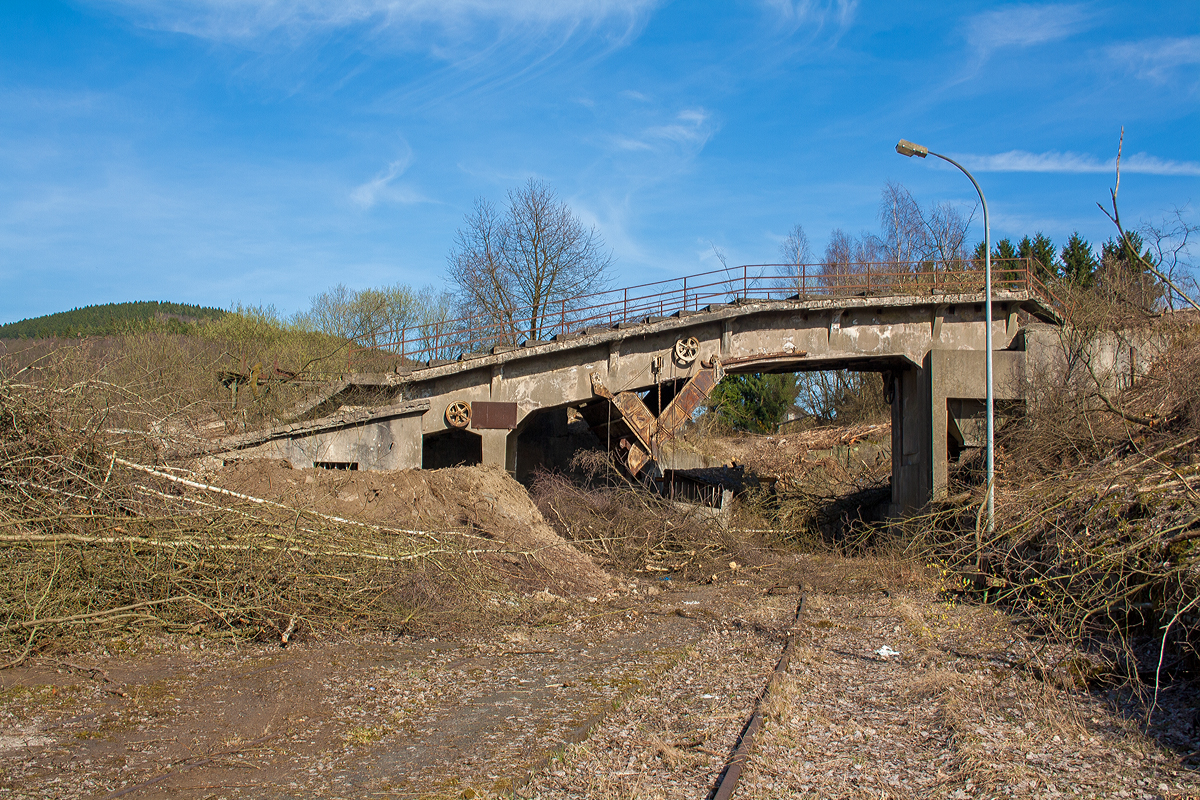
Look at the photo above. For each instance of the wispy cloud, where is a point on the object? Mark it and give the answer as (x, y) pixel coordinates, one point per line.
(381, 189)
(232, 20)
(1023, 161)
(1024, 26)
(686, 131)
(814, 13)
(691, 128)
(1157, 59)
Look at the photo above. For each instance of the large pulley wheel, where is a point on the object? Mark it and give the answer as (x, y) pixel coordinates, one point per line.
(686, 350)
(458, 414)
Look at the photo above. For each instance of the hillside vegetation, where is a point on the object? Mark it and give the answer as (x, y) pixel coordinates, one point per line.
(112, 318)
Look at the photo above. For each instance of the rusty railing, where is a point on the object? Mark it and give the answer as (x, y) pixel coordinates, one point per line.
(478, 333)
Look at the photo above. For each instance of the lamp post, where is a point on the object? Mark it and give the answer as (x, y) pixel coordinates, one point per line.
(907, 148)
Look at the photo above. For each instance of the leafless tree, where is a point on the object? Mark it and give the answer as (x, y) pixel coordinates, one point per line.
(371, 316)
(1132, 249)
(847, 256)
(517, 268)
(796, 252)
(912, 234)
(1169, 243)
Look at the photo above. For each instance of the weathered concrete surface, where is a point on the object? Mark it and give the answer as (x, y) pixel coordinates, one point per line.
(930, 346)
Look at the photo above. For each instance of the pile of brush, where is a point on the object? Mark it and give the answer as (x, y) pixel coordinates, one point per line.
(94, 542)
(626, 527)
(1097, 524)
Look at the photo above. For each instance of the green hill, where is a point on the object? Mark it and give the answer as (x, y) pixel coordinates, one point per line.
(112, 318)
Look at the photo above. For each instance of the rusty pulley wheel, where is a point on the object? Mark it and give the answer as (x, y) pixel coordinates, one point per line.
(458, 414)
(687, 349)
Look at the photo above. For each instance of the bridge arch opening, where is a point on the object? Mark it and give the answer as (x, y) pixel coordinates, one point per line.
(453, 447)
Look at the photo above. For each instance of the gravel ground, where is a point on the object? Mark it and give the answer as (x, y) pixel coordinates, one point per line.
(673, 740)
(956, 714)
(952, 708)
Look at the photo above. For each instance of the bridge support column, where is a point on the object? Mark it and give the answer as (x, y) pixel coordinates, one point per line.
(498, 450)
(936, 403)
(957, 376)
(911, 473)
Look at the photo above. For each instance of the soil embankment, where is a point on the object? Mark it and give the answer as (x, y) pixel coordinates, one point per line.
(482, 501)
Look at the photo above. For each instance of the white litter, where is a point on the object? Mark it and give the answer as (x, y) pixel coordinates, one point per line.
(886, 652)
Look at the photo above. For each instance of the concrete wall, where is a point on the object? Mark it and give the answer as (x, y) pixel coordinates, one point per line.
(377, 445)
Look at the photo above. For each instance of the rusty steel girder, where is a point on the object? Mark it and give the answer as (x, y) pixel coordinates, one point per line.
(685, 403)
(648, 430)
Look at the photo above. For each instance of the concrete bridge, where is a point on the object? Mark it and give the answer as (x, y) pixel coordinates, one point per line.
(637, 376)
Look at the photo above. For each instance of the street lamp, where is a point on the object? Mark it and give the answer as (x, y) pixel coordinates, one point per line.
(907, 148)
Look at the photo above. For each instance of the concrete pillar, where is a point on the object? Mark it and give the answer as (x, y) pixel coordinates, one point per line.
(499, 449)
(962, 374)
(494, 449)
(910, 441)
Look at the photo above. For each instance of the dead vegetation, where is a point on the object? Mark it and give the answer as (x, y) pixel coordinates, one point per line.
(1097, 517)
(625, 527)
(819, 488)
(96, 541)
(239, 372)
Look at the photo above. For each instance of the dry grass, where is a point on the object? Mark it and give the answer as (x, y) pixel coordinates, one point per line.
(627, 528)
(1097, 518)
(90, 543)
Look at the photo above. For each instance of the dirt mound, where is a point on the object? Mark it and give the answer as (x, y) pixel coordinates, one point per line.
(483, 501)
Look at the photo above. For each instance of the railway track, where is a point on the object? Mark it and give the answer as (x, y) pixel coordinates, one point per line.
(727, 781)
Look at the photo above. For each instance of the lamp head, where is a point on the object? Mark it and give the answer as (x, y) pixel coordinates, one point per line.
(907, 148)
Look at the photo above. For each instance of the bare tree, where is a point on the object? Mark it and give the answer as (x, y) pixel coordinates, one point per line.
(796, 253)
(1132, 250)
(840, 257)
(535, 259)
(912, 234)
(1169, 244)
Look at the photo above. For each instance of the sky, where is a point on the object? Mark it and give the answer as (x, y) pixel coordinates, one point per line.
(257, 152)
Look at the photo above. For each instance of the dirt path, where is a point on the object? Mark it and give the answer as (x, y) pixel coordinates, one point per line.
(642, 696)
(369, 717)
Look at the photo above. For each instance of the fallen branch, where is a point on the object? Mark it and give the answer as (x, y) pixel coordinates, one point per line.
(87, 617)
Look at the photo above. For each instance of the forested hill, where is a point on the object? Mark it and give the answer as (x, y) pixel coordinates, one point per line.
(111, 318)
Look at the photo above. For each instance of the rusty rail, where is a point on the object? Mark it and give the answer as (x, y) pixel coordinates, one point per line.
(728, 779)
(450, 339)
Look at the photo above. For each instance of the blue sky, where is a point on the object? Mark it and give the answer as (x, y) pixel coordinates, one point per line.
(260, 151)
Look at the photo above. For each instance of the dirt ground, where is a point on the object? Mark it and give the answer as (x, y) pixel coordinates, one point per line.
(593, 686)
(641, 694)
(481, 501)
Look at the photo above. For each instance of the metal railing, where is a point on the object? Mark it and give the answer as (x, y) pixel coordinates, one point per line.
(479, 333)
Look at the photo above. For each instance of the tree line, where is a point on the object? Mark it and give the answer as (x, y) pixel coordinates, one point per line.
(112, 318)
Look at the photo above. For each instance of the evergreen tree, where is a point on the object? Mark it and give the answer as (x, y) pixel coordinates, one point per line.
(1041, 250)
(1122, 275)
(1003, 258)
(755, 403)
(1079, 261)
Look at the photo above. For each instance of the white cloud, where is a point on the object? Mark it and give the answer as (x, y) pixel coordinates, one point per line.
(1155, 59)
(689, 128)
(380, 189)
(625, 143)
(685, 133)
(1023, 161)
(1024, 26)
(232, 20)
(815, 13)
